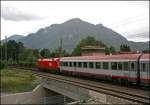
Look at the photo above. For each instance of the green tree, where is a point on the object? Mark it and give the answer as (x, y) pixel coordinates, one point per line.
(125, 48)
(110, 50)
(36, 53)
(85, 42)
(146, 50)
(64, 53)
(45, 53)
(56, 53)
(25, 54)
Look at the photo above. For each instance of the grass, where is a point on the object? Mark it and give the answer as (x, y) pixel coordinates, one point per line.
(13, 81)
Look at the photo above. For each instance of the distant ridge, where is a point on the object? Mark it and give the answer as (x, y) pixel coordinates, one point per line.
(14, 37)
(72, 31)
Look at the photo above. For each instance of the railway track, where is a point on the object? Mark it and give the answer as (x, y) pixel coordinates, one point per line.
(120, 93)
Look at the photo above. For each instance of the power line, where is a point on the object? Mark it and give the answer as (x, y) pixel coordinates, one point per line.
(130, 20)
(133, 17)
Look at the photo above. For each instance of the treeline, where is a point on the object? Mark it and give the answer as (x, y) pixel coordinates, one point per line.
(92, 41)
(14, 52)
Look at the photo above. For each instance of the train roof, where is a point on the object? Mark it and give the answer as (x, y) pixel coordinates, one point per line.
(145, 56)
(48, 59)
(108, 57)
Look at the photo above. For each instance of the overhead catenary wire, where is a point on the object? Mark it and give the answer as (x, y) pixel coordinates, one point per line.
(126, 25)
(130, 19)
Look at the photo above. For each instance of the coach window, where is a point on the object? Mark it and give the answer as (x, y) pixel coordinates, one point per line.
(114, 65)
(85, 64)
(63, 63)
(148, 67)
(79, 64)
(74, 64)
(144, 67)
(70, 64)
(90, 64)
(119, 66)
(132, 66)
(98, 65)
(125, 65)
(66, 63)
(105, 65)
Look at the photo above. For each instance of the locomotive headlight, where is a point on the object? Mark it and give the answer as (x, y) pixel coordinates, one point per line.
(50, 64)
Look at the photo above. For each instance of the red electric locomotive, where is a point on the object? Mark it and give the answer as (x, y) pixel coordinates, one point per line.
(51, 65)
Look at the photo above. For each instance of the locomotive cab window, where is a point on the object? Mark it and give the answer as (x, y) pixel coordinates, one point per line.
(98, 65)
(105, 65)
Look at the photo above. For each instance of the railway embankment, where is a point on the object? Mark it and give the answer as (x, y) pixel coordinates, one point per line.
(14, 81)
(22, 87)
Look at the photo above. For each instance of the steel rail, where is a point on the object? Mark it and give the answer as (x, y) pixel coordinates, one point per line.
(87, 85)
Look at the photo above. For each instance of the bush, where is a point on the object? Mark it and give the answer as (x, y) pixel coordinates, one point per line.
(2, 64)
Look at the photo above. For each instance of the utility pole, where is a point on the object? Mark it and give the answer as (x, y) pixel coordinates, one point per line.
(60, 50)
(1, 48)
(6, 51)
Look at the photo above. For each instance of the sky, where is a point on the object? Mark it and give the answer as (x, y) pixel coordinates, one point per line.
(129, 18)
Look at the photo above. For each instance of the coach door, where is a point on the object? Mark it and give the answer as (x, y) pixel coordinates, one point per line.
(148, 69)
(132, 70)
(144, 69)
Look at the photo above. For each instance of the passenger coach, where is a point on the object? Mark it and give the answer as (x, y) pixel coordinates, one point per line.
(129, 67)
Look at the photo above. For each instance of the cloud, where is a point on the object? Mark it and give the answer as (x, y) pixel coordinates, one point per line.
(143, 35)
(14, 14)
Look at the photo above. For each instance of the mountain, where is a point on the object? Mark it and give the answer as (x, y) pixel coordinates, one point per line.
(14, 37)
(72, 31)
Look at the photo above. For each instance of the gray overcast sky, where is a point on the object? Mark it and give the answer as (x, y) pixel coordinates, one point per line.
(129, 18)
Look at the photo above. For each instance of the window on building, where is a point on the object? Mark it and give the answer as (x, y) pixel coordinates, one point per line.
(70, 64)
(125, 66)
(114, 65)
(79, 64)
(74, 64)
(119, 66)
(85, 64)
(105, 65)
(91, 65)
(98, 65)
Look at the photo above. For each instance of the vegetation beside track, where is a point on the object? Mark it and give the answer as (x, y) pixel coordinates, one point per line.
(13, 81)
